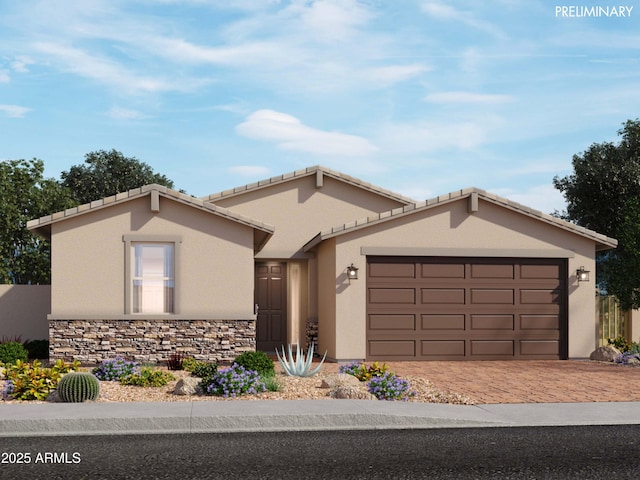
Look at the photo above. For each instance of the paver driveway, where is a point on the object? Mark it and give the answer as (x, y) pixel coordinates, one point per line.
(532, 381)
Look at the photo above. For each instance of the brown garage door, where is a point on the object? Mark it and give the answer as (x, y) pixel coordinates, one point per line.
(432, 308)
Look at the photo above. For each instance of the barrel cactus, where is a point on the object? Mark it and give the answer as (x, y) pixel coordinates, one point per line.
(78, 387)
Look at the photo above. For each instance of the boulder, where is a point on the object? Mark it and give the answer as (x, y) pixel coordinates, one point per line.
(351, 392)
(188, 386)
(339, 380)
(608, 353)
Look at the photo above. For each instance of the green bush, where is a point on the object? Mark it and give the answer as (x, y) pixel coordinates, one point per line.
(257, 361)
(204, 369)
(32, 382)
(11, 352)
(622, 344)
(38, 349)
(147, 377)
(78, 387)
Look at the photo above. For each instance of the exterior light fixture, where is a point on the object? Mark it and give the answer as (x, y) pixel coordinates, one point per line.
(582, 274)
(352, 272)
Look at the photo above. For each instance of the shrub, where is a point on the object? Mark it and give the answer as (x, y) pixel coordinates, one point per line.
(188, 363)
(233, 381)
(174, 362)
(620, 343)
(147, 377)
(258, 361)
(362, 372)
(37, 349)
(271, 383)
(32, 382)
(78, 387)
(205, 370)
(11, 352)
(115, 369)
(390, 387)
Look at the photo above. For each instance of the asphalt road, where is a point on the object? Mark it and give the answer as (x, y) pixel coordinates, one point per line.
(585, 452)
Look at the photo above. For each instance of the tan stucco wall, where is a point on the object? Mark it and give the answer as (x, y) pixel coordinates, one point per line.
(214, 268)
(299, 210)
(24, 310)
(451, 227)
(327, 293)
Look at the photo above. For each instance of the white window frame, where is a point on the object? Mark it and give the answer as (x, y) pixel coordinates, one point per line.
(130, 242)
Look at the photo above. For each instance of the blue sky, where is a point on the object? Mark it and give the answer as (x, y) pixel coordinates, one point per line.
(420, 97)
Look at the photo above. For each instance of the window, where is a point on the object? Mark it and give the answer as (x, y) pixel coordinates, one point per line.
(152, 277)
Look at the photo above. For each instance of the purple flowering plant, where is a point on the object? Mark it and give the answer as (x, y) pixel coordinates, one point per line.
(389, 386)
(115, 369)
(628, 358)
(233, 381)
(7, 390)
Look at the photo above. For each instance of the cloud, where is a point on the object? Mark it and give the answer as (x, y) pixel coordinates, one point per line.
(119, 113)
(4, 76)
(14, 111)
(289, 133)
(249, 170)
(20, 63)
(441, 11)
(105, 70)
(467, 97)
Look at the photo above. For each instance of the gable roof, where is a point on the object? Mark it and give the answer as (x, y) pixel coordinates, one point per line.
(306, 172)
(262, 231)
(602, 241)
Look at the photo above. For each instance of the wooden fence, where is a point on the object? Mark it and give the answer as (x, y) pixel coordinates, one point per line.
(612, 320)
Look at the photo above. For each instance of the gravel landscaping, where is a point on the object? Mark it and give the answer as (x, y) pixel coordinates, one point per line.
(291, 388)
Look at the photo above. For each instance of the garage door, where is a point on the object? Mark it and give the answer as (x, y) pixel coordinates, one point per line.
(432, 308)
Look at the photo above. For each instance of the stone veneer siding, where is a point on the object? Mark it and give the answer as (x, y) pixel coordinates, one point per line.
(154, 341)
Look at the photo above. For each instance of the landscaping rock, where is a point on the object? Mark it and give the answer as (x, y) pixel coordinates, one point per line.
(340, 380)
(351, 392)
(188, 386)
(608, 353)
(53, 397)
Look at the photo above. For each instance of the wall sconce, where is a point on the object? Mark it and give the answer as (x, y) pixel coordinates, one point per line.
(582, 274)
(352, 272)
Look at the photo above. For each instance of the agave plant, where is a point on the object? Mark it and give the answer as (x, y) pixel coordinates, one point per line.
(300, 366)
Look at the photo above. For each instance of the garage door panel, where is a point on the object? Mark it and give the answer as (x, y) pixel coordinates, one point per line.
(540, 271)
(492, 348)
(392, 348)
(392, 322)
(440, 348)
(539, 347)
(492, 271)
(493, 296)
(467, 309)
(435, 296)
(442, 270)
(392, 295)
(541, 296)
(492, 322)
(392, 270)
(442, 322)
(539, 322)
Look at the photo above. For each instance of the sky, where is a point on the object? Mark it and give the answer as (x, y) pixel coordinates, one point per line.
(422, 97)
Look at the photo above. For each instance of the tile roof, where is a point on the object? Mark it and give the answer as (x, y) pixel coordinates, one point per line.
(304, 173)
(602, 241)
(41, 223)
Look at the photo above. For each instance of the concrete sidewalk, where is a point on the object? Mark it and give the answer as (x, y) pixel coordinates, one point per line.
(295, 415)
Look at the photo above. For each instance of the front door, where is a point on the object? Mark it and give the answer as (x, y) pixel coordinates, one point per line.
(271, 302)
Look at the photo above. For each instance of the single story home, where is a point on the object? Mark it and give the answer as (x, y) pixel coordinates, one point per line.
(319, 256)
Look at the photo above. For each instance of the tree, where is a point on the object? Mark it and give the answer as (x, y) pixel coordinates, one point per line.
(603, 195)
(107, 173)
(25, 257)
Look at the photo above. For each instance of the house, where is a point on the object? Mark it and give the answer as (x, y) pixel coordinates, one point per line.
(316, 255)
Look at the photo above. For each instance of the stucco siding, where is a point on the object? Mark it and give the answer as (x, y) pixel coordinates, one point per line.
(327, 288)
(24, 310)
(451, 228)
(300, 210)
(213, 271)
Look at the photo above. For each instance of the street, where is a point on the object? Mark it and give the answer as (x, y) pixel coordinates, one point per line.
(584, 452)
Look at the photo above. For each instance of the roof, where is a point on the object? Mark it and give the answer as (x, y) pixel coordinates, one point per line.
(42, 225)
(305, 173)
(602, 241)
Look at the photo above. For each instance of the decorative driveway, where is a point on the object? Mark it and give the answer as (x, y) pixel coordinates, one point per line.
(531, 381)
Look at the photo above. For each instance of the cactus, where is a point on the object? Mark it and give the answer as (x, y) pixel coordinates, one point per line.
(78, 387)
(301, 366)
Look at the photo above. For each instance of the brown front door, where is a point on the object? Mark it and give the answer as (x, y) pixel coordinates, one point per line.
(271, 301)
